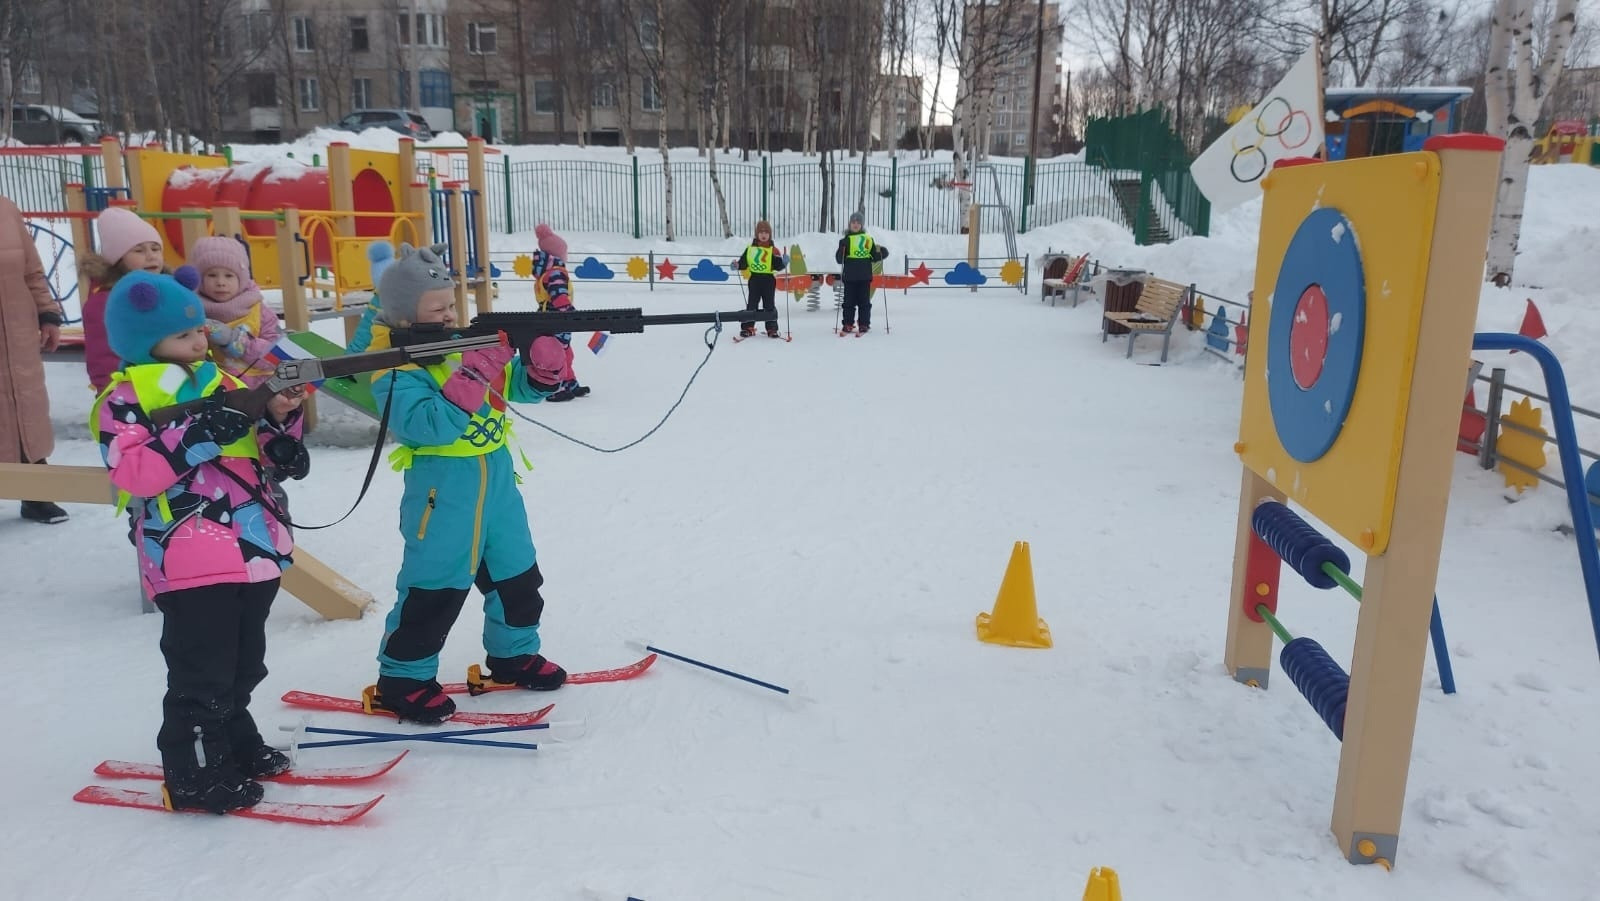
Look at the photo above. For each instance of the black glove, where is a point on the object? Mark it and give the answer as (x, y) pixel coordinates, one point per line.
(287, 458)
(224, 424)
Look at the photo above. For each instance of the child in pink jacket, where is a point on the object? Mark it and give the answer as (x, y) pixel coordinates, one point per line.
(211, 546)
(242, 329)
(126, 244)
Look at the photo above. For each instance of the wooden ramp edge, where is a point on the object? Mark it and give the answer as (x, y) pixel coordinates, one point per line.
(309, 579)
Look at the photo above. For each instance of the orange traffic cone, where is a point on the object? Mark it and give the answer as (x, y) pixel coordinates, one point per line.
(1015, 620)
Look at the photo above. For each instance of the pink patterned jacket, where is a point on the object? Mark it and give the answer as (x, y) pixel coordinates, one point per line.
(196, 526)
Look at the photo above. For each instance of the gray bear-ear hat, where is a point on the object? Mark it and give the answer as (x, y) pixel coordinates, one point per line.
(413, 273)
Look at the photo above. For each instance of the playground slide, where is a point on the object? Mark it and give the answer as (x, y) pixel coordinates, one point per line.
(352, 391)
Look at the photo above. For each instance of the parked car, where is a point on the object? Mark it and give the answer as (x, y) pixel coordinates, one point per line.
(410, 124)
(33, 123)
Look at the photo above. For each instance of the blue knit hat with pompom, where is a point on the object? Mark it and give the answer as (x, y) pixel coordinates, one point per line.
(144, 308)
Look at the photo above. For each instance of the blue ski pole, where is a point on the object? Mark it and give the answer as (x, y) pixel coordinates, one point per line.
(714, 668)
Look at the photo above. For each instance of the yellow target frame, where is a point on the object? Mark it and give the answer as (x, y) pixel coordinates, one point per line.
(1390, 202)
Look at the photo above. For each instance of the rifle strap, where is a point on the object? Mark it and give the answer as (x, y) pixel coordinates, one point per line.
(366, 482)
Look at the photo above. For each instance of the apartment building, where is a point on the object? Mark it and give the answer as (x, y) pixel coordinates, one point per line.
(1002, 40)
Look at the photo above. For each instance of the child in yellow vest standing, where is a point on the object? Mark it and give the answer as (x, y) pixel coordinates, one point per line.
(211, 547)
(461, 515)
(761, 260)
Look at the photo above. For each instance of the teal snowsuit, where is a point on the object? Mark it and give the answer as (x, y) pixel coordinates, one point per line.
(462, 519)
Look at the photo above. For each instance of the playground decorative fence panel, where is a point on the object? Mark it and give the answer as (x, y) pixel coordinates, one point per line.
(37, 182)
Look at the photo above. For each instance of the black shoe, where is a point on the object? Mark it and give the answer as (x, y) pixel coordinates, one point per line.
(863, 330)
(43, 511)
(581, 391)
(262, 762)
(214, 790)
(773, 334)
(414, 700)
(527, 670)
(565, 394)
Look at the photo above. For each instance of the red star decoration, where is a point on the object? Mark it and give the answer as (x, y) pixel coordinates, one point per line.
(922, 272)
(665, 268)
(1241, 335)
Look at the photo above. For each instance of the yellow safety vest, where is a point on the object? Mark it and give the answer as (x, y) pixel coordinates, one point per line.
(859, 247)
(157, 385)
(484, 434)
(759, 259)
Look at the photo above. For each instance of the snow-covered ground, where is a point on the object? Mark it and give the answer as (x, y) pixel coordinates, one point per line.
(831, 514)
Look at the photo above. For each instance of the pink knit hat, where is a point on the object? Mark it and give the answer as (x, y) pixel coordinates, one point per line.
(550, 242)
(121, 230)
(221, 253)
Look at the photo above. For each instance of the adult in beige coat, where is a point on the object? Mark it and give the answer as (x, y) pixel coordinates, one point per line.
(30, 322)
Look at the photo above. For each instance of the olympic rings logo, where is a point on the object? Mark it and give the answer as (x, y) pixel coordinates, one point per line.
(486, 432)
(1290, 126)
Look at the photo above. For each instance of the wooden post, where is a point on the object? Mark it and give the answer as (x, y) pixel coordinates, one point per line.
(193, 229)
(419, 202)
(458, 246)
(309, 579)
(341, 190)
(134, 160)
(78, 203)
(296, 317)
(477, 180)
(1248, 656)
(974, 219)
(225, 221)
(1397, 602)
(408, 170)
(111, 160)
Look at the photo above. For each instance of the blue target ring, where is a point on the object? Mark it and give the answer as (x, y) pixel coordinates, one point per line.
(1322, 254)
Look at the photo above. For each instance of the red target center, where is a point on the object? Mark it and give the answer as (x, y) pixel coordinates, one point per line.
(1308, 337)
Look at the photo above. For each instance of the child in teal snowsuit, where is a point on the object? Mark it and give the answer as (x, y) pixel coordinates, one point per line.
(462, 515)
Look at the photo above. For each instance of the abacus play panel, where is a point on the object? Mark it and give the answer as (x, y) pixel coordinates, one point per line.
(1370, 271)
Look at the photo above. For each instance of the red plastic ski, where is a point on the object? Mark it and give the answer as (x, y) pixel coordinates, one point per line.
(307, 814)
(123, 769)
(476, 684)
(354, 705)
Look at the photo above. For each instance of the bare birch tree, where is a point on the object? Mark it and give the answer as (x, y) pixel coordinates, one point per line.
(1515, 97)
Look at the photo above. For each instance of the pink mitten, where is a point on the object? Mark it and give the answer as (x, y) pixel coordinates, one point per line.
(490, 361)
(546, 358)
(465, 390)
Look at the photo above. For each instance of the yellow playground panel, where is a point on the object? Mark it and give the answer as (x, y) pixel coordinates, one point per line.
(1390, 200)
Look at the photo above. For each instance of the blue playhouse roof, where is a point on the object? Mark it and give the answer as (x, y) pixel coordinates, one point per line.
(1425, 99)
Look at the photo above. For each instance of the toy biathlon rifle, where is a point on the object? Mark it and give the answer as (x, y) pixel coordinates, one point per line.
(522, 328)
(427, 342)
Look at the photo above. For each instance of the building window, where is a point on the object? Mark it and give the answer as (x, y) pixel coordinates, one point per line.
(28, 81)
(544, 40)
(649, 32)
(544, 97)
(309, 101)
(405, 30)
(261, 90)
(258, 30)
(435, 88)
(1020, 140)
(1001, 102)
(650, 96)
(361, 93)
(359, 42)
(305, 38)
(604, 95)
(430, 30)
(480, 37)
(402, 89)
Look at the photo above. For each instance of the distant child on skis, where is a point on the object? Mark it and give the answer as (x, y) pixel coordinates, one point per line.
(211, 545)
(554, 292)
(461, 515)
(761, 260)
(856, 254)
(126, 244)
(242, 330)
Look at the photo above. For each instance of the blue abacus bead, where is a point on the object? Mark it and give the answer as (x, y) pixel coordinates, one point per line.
(1323, 682)
(1298, 543)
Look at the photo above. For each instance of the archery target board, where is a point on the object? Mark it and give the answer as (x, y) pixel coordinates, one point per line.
(1342, 265)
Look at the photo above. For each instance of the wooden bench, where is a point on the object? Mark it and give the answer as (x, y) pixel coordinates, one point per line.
(1061, 275)
(1155, 313)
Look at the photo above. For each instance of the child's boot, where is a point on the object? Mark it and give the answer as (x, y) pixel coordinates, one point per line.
(202, 776)
(527, 670)
(263, 762)
(414, 700)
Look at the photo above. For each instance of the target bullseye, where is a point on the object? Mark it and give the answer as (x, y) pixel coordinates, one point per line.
(1315, 335)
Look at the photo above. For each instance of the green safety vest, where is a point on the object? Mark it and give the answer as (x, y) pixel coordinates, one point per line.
(159, 385)
(484, 434)
(759, 259)
(859, 246)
